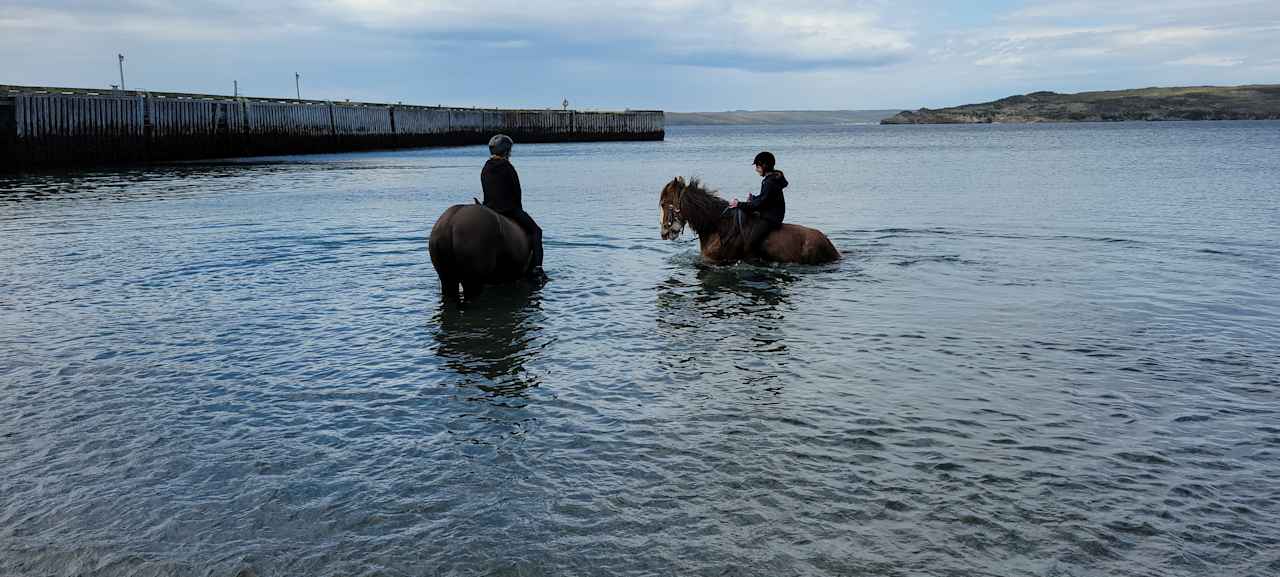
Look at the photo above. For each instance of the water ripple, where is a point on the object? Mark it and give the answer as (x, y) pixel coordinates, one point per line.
(244, 368)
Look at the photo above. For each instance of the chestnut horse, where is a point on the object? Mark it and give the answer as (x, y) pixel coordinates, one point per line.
(473, 246)
(689, 203)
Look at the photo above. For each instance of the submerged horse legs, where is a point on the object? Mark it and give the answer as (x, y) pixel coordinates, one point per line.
(472, 289)
(448, 288)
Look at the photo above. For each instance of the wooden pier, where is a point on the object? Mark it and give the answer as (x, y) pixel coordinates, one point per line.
(66, 127)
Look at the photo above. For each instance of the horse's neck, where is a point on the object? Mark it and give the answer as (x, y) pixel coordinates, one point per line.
(703, 212)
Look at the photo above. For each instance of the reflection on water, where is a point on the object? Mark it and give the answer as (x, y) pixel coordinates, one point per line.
(745, 290)
(739, 308)
(185, 179)
(487, 343)
(126, 183)
(727, 292)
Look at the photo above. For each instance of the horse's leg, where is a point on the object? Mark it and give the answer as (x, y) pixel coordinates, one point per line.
(472, 289)
(781, 246)
(448, 288)
(440, 247)
(711, 247)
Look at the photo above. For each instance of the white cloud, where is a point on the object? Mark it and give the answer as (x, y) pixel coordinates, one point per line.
(1077, 38)
(173, 25)
(1149, 11)
(1168, 35)
(761, 53)
(1000, 60)
(825, 35)
(1069, 37)
(747, 34)
(1046, 33)
(509, 44)
(1208, 60)
(707, 32)
(1134, 24)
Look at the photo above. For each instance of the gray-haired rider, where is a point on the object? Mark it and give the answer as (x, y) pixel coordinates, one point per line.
(501, 187)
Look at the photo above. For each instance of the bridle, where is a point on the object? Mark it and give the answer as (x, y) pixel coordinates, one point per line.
(675, 207)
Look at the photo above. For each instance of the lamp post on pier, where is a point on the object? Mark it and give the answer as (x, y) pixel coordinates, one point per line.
(120, 59)
(297, 84)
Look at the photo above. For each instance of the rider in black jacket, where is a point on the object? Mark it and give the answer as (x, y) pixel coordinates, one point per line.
(764, 211)
(501, 187)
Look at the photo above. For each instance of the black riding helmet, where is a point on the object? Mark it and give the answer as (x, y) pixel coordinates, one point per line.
(765, 159)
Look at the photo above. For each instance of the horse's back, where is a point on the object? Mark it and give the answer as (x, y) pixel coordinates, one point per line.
(509, 232)
(800, 244)
(473, 242)
(443, 223)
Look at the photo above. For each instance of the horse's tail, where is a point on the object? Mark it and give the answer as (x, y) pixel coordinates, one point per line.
(466, 242)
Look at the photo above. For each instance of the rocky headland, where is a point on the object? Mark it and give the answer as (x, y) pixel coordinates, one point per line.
(1254, 102)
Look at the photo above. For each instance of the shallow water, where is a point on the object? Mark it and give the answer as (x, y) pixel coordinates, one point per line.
(1049, 350)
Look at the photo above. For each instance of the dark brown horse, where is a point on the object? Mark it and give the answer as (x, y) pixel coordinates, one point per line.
(473, 246)
(706, 213)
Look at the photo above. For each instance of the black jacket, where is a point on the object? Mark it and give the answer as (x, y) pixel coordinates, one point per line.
(770, 203)
(501, 186)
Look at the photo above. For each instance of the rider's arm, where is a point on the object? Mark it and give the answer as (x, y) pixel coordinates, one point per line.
(513, 187)
(515, 183)
(755, 201)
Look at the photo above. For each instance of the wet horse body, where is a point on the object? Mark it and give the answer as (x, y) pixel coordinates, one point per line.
(472, 246)
(721, 239)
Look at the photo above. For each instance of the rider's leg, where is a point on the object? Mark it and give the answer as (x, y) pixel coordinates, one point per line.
(535, 237)
(535, 240)
(757, 230)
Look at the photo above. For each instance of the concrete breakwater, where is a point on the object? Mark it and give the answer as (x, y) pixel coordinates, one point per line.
(54, 127)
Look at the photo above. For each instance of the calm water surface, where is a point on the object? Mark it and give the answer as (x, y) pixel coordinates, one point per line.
(1049, 350)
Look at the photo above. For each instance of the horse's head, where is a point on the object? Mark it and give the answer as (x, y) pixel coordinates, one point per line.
(669, 201)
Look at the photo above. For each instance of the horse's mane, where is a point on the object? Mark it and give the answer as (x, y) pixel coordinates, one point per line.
(703, 208)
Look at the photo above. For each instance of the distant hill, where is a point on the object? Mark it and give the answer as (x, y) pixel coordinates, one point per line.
(778, 117)
(1255, 102)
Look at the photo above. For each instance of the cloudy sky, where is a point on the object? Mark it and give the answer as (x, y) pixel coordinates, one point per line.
(680, 55)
